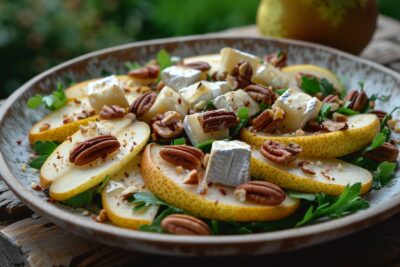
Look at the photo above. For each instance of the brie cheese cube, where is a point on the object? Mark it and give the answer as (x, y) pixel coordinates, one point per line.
(229, 163)
(231, 57)
(106, 91)
(299, 108)
(268, 75)
(178, 77)
(233, 101)
(167, 99)
(195, 132)
(203, 91)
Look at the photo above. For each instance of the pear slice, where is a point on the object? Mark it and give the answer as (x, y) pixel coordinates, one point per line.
(362, 130)
(320, 72)
(331, 175)
(68, 180)
(78, 102)
(218, 202)
(119, 211)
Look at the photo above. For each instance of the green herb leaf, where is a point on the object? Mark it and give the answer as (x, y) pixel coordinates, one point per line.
(38, 162)
(179, 141)
(262, 106)
(34, 102)
(209, 105)
(378, 140)
(383, 98)
(326, 87)
(145, 199)
(103, 184)
(281, 91)
(300, 195)
(243, 114)
(383, 174)
(310, 85)
(155, 227)
(81, 200)
(163, 59)
(42, 149)
(132, 65)
(324, 112)
(361, 84)
(347, 111)
(327, 206)
(206, 146)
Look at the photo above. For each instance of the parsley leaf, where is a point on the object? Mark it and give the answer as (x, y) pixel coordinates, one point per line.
(347, 111)
(206, 146)
(132, 65)
(42, 149)
(326, 87)
(163, 59)
(209, 105)
(310, 85)
(179, 141)
(155, 227)
(145, 199)
(54, 101)
(280, 91)
(327, 206)
(324, 112)
(378, 140)
(243, 114)
(383, 174)
(383, 98)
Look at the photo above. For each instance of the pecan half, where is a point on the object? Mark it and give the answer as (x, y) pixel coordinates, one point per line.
(333, 98)
(261, 93)
(181, 224)
(277, 59)
(143, 103)
(269, 120)
(262, 192)
(182, 155)
(198, 65)
(147, 72)
(93, 148)
(386, 152)
(240, 76)
(218, 76)
(356, 100)
(113, 112)
(333, 126)
(167, 125)
(280, 153)
(379, 113)
(215, 120)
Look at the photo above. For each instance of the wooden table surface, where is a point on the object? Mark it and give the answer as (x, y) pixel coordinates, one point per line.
(29, 240)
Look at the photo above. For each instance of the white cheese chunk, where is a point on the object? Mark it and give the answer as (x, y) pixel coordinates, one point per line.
(168, 99)
(195, 132)
(178, 77)
(229, 163)
(106, 91)
(203, 91)
(299, 108)
(231, 57)
(270, 76)
(233, 101)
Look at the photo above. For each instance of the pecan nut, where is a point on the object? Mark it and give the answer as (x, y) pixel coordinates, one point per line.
(113, 112)
(332, 98)
(261, 93)
(167, 125)
(218, 76)
(93, 148)
(277, 59)
(262, 192)
(386, 152)
(182, 155)
(269, 120)
(143, 103)
(198, 65)
(333, 126)
(240, 76)
(356, 100)
(181, 224)
(147, 72)
(215, 120)
(280, 153)
(379, 113)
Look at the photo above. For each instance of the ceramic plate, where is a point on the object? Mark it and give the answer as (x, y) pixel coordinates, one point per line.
(16, 120)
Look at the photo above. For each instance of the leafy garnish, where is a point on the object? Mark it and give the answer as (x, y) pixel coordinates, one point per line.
(384, 126)
(155, 227)
(132, 65)
(378, 140)
(334, 207)
(347, 111)
(54, 101)
(209, 105)
(163, 59)
(300, 195)
(383, 98)
(206, 146)
(262, 106)
(324, 112)
(281, 91)
(383, 174)
(243, 115)
(179, 141)
(326, 87)
(145, 199)
(42, 149)
(310, 85)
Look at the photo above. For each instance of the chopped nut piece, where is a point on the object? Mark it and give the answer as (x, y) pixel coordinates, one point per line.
(102, 217)
(333, 126)
(68, 120)
(205, 160)
(339, 117)
(168, 125)
(45, 126)
(240, 195)
(305, 168)
(192, 178)
(179, 169)
(129, 191)
(36, 187)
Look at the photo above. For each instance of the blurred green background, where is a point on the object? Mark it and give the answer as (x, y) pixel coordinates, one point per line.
(38, 34)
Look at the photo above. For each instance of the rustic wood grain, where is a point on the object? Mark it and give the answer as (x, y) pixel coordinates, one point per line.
(29, 240)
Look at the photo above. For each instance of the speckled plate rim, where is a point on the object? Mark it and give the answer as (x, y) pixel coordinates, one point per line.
(327, 230)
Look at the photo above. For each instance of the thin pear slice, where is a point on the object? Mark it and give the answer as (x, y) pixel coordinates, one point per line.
(318, 71)
(162, 179)
(331, 175)
(68, 180)
(362, 129)
(119, 211)
(58, 130)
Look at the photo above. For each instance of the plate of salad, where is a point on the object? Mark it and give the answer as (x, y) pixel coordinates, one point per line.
(203, 145)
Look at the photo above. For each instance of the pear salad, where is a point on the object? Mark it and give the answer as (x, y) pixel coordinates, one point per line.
(219, 144)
